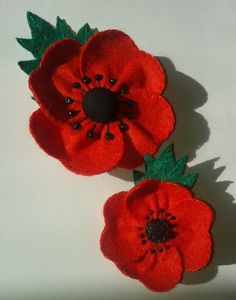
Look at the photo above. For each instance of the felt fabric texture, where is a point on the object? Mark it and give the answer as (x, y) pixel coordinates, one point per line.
(158, 265)
(166, 168)
(138, 79)
(44, 34)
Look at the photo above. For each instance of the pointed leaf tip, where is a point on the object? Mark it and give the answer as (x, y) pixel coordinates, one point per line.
(166, 168)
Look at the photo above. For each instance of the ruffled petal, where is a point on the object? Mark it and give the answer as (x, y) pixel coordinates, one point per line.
(137, 142)
(193, 219)
(142, 202)
(143, 72)
(47, 134)
(154, 114)
(107, 53)
(194, 214)
(159, 272)
(92, 156)
(120, 240)
(195, 248)
(41, 81)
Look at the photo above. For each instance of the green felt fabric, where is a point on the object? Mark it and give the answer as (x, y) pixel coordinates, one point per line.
(166, 168)
(44, 34)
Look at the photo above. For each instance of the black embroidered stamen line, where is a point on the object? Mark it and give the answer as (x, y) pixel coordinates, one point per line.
(130, 103)
(86, 80)
(127, 115)
(108, 134)
(90, 133)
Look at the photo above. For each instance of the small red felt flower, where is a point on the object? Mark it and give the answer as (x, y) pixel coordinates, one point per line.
(100, 103)
(156, 231)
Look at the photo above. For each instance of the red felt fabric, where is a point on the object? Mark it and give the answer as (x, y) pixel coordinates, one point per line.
(114, 55)
(77, 153)
(125, 221)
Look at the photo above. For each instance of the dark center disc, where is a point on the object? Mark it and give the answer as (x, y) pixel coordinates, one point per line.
(157, 230)
(100, 105)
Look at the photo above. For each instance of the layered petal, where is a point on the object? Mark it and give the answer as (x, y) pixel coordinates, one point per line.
(137, 142)
(119, 240)
(154, 114)
(142, 73)
(195, 248)
(42, 81)
(159, 272)
(107, 53)
(47, 135)
(92, 156)
(74, 149)
(194, 214)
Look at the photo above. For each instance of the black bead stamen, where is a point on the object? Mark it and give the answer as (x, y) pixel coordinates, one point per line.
(160, 249)
(112, 81)
(90, 133)
(124, 89)
(76, 125)
(108, 136)
(76, 85)
(72, 113)
(147, 217)
(167, 247)
(68, 100)
(151, 212)
(86, 80)
(142, 235)
(144, 242)
(123, 126)
(153, 251)
(98, 77)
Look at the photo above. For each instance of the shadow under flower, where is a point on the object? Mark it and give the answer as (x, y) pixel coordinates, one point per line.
(224, 228)
(191, 131)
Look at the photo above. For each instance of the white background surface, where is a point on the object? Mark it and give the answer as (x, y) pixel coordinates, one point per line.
(51, 219)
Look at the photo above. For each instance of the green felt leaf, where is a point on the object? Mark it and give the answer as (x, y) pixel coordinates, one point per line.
(44, 34)
(28, 65)
(64, 30)
(166, 168)
(85, 33)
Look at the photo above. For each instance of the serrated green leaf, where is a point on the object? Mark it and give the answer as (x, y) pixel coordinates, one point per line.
(28, 65)
(166, 168)
(137, 175)
(26, 43)
(43, 33)
(84, 33)
(64, 30)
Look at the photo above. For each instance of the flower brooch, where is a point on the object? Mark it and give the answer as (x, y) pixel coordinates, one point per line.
(158, 229)
(100, 102)
(101, 107)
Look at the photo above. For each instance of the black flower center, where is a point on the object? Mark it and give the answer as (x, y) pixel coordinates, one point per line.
(158, 230)
(100, 105)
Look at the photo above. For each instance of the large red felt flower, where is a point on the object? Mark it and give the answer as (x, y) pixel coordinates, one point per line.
(156, 231)
(100, 103)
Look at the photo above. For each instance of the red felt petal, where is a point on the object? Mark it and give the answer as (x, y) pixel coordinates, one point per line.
(154, 114)
(41, 83)
(144, 72)
(137, 142)
(120, 239)
(159, 272)
(170, 194)
(195, 248)
(92, 156)
(142, 199)
(47, 135)
(194, 214)
(65, 75)
(107, 53)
